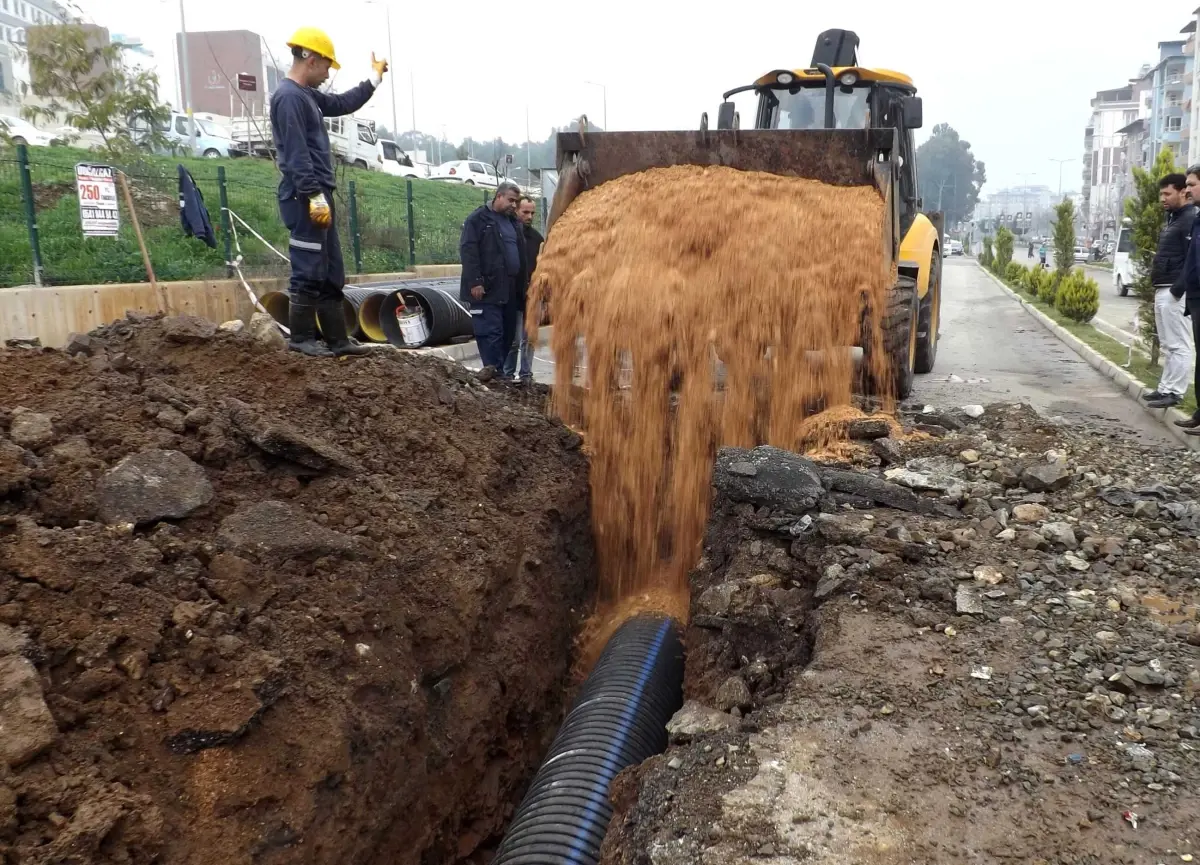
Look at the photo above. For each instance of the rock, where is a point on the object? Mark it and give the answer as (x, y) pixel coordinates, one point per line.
(1146, 509)
(988, 575)
(1028, 540)
(172, 419)
(26, 723)
(967, 601)
(15, 473)
(82, 343)
(234, 326)
(1077, 564)
(280, 529)
(1027, 513)
(285, 441)
(1006, 535)
(1006, 477)
(977, 509)
(264, 329)
(734, 693)
(868, 428)
(197, 418)
(73, 450)
(185, 329)
(696, 719)
(1145, 676)
(973, 411)
(830, 581)
(780, 480)
(30, 429)
(715, 600)
(1046, 477)
(843, 528)
(150, 486)
(937, 589)
(922, 481)
(969, 456)
(191, 614)
(1060, 533)
(889, 450)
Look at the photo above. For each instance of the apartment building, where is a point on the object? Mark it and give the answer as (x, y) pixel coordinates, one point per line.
(1105, 176)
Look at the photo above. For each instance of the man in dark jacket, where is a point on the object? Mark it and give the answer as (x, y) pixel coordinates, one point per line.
(298, 110)
(1166, 275)
(526, 210)
(1189, 284)
(493, 274)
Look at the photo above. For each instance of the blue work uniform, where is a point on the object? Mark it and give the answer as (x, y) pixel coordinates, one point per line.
(493, 256)
(306, 162)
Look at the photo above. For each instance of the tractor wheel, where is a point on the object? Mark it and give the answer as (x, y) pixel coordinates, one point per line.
(899, 335)
(929, 319)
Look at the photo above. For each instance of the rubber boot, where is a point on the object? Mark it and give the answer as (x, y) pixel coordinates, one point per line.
(333, 329)
(302, 321)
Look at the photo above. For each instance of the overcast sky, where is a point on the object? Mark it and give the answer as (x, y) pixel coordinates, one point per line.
(1016, 86)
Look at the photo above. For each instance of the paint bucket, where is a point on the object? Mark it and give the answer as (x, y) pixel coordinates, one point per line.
(413, 329)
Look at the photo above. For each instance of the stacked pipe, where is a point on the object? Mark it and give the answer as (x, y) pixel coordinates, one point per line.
(619, 719)
(373, 311)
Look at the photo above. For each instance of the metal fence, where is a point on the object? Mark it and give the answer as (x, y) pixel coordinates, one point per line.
(386, 223)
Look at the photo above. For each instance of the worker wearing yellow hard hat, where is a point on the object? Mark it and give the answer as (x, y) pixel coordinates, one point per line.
(298, 111)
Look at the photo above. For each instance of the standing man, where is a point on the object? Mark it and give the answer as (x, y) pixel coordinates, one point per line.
(1190, 284)
(526, 210)
(1166, 275)
(493, 274)
(298, 110)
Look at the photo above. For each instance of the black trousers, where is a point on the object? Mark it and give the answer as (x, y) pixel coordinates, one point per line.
(1193, 308)
(318, 271)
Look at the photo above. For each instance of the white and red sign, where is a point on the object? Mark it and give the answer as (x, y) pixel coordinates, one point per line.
(98, 212)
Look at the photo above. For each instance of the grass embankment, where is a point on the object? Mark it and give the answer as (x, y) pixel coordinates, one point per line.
(438, 212)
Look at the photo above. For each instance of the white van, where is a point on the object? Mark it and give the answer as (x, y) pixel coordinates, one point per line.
(1122, 268)
(398, 163)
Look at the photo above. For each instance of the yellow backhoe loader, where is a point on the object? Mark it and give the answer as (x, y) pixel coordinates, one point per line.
(836, 122)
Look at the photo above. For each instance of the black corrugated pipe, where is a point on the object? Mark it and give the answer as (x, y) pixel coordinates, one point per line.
(367, 303)
(445, 318)
(278, 304)
(619, 719)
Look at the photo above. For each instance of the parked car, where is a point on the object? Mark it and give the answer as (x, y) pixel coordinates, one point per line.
(398, 163)
(471, 172)
(1122, 262)
(1081, 253)
(956, 247)
(21, 131)
(212, 140)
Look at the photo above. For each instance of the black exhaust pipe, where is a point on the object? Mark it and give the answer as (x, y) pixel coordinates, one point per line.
(619, 719)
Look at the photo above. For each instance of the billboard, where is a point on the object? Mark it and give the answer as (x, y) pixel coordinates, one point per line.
(218, 60)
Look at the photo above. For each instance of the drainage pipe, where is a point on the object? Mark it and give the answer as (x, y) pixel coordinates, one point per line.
(366, 303)
(278, 304)
(445, 318)
(619, 719)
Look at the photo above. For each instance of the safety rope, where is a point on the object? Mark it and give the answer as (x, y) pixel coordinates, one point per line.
(236, 264)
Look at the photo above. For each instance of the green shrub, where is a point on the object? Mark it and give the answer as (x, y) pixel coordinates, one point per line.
(1004, 250)
(1078, 297)
(1029, 280)
(986, 258)
(1014, 274)
(1047, 286)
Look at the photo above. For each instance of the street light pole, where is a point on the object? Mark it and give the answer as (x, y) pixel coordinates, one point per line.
(1060, 165)
(187, 81)
(604, 96)
(392, 58)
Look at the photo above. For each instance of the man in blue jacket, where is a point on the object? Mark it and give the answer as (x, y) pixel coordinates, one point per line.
(492, 251)
(298, 110)
(1188, 287)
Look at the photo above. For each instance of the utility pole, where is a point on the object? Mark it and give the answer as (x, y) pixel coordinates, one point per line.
(387, 8)
(412, 101)
(604, 96)
(187, 81)
(1060, 165)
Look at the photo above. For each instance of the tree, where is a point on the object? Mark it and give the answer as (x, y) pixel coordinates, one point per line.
(1063, 228)
(83, 78)
(950, 175)
(1004, 250)
(1146, 213)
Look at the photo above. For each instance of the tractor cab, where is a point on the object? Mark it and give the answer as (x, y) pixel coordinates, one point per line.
(835, 92)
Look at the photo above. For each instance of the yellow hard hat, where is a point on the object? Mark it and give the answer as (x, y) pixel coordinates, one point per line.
(316, 41)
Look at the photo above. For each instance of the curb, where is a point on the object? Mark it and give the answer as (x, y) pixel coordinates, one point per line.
(1123, 380)
(463, 352)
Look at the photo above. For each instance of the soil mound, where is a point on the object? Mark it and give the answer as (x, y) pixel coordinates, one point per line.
(260, 608)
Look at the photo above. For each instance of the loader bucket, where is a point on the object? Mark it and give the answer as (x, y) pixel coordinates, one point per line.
(839, 157)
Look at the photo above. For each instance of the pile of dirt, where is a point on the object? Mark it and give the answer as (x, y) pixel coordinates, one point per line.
(260, 608)
(1001, 665)
(666, 289)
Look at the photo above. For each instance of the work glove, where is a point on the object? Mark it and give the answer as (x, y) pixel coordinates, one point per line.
(378, 67)
(318, 210)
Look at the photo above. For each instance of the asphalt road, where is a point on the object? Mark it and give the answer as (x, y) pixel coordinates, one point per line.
(1115, 311)
(991, 350)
